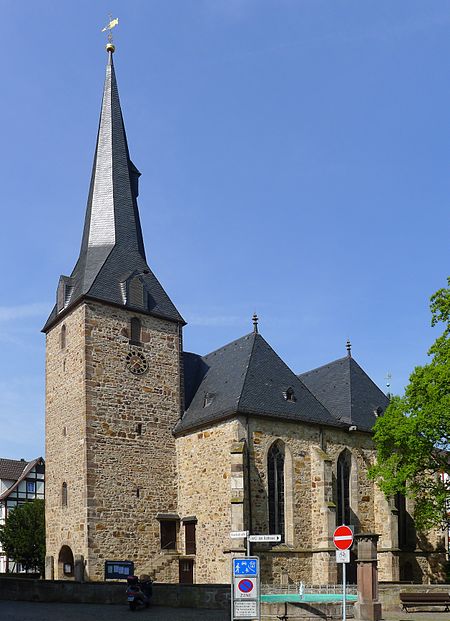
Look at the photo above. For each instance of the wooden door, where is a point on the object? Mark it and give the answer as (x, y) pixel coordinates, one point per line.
(186, 571)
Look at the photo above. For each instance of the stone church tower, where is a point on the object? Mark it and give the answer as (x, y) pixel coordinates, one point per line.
(114, 379)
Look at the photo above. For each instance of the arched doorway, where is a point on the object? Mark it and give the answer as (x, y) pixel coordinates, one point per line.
(65, 564)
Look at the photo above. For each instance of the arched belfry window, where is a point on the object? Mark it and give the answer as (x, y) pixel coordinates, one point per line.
(275, 472)
(135, 325)
(344, 466)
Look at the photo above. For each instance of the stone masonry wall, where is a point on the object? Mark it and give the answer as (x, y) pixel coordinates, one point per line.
(311, 455)
(65, 449)
(206, 492)
(131, 462)
(109, 436)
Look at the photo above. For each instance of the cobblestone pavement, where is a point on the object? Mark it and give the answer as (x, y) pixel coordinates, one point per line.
(31, 611)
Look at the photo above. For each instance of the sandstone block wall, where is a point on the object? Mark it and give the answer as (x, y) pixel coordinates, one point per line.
(131, 470)
(207, 490)
(311, 455)
(118, 455)
(65, 446)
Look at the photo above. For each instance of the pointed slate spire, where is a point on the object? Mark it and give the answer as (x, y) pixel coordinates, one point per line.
(112, 265)
(112, 216)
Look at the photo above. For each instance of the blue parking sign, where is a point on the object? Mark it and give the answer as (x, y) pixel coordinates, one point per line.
(245, 566)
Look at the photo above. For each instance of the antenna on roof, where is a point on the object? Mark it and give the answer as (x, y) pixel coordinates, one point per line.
(255, 323)
(349, 348)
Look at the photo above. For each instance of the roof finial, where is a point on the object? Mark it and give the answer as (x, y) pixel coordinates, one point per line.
(255, 323)
(349, 348)
(388, 382)
(112, 24)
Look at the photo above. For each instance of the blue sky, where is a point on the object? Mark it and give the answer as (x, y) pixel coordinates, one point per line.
(295, 159)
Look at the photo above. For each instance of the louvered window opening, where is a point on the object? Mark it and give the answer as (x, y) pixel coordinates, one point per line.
(276, 490)
(136, 293)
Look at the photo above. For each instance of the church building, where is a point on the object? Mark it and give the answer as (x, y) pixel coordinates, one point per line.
(155, 455)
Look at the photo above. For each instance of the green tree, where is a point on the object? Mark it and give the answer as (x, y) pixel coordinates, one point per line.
(23, 535)
(412, 439)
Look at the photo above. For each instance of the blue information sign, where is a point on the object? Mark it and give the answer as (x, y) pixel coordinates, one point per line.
(245, 567)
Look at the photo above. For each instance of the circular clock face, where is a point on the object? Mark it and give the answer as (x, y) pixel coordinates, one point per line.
(136, 362)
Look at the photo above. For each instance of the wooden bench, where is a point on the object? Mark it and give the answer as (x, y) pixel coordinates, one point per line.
(414, 599)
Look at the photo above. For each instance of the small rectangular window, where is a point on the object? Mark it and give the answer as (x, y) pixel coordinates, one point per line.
(189, 536)
(31, 487)
(168, 535)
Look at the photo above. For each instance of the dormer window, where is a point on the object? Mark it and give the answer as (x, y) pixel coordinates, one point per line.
(136, 292)
(63, 293)
(289, 395)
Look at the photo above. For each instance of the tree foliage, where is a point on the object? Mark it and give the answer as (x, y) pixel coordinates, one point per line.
(412, 439)
(23, 535)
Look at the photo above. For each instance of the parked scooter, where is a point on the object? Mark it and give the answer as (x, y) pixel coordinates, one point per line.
(139, 592)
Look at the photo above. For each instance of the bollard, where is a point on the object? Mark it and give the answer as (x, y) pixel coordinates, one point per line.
(367, 608)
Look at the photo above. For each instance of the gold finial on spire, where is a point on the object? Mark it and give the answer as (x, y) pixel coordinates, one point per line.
(112, 24)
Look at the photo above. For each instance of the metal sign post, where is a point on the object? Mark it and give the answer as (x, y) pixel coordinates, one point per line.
(245, 582)
(343, 539)
(245, 588)
(344, 603)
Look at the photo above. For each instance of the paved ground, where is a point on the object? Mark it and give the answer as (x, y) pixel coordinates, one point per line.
(27, 611)
(417, 616)
(30, 611)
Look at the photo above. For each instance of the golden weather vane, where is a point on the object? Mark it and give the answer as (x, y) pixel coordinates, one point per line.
(112, 24)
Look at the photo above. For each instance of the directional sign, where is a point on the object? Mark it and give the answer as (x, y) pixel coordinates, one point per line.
(264, 538)
(238, 534)
(343, 537)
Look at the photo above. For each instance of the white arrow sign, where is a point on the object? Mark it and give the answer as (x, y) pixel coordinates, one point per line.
(264, 538)
(238, 534)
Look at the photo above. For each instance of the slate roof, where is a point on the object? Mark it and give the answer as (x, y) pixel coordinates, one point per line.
(245, 377)
(112, 247)
(347, 392)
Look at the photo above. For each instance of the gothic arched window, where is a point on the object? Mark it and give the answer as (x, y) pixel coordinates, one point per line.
(343, 488)
(275, 471)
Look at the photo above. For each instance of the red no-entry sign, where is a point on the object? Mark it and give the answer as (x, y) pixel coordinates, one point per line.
(343, 537)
